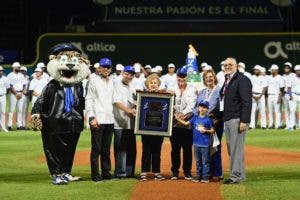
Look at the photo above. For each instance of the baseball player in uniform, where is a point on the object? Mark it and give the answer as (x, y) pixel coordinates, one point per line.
(221, 75)
(17, 84)
(287, 77)
(117, 76)
(26, 96)
(37, 84)
(4, 85)
(159, 70)
(138, 80)
(242, 69)
(275, 91)
(148, 69)
(263, 71)
(45, 75)
(294, 93)
(170, 79)
(259, 88)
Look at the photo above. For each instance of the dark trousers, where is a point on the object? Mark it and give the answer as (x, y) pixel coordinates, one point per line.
(216, 158)
(59, 150)
(181, 138)
(101, 141)
(151, 153)
(125, 152)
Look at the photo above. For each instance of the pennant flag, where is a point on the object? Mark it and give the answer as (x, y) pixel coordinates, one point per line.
(191, 60)
(191, 65)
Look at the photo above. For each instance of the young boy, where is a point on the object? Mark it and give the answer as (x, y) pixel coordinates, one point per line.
(202, 127)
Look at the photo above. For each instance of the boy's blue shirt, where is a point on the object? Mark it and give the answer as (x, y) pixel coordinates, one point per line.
(201, 139)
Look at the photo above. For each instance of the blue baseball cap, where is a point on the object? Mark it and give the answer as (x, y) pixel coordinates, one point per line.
(105, 62)
(129, 69)
(181, 72)
(203, 103)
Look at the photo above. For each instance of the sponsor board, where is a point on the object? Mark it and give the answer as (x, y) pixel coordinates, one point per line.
(161, 49)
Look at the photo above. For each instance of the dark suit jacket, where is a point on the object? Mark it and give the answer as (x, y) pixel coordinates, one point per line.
(50, 105)
(238, 98)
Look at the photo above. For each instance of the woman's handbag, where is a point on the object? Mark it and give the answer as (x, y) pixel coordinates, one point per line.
(215, 142)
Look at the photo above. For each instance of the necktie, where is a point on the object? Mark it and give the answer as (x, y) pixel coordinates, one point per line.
(69, 99)
(227, 80)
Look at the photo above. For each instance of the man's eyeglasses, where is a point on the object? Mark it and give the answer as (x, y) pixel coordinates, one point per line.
(228, 65)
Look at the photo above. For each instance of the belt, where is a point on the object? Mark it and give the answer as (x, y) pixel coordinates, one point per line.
(272, 94)
(2, 95)
(296, 93)
(256, 93)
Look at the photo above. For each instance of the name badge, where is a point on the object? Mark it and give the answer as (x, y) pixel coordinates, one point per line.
(221, 105)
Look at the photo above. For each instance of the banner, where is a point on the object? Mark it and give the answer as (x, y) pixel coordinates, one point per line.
(191, 10)
(160, 49)
(8, 56)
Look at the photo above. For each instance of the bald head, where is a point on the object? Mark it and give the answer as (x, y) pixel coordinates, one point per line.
(230, 65)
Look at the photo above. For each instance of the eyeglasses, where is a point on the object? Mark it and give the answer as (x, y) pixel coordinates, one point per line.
(229, 65)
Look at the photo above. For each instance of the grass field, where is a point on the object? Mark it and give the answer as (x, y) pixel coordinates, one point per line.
(276, 182)
(22, 176)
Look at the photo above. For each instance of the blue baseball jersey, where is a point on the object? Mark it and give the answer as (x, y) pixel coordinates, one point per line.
(201, 139)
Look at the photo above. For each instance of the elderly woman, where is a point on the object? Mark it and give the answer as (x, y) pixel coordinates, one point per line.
(151, 145)
(212, 94)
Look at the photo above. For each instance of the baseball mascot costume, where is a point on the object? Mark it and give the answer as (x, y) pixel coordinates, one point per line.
(58, 112)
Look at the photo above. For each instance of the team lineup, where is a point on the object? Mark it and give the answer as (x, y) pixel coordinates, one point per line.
(225, 102)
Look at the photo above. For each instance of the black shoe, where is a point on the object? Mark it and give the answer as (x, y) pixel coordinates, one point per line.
(107, 176)
(9, 128)
(174, 176)
(230, 181)
(97, 179)
(196, 179)
(143, 176)
(158, 177)
(272, 127)
(188, 176)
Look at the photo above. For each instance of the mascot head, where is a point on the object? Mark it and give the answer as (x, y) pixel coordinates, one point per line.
(66, 64)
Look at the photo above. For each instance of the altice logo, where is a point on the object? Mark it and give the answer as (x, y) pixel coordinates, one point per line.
(275, 49)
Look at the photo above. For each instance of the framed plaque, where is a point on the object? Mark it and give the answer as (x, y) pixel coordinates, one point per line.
(154, 113)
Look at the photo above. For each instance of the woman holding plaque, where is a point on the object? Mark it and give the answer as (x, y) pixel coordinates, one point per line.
(212, 94)
(151, 144)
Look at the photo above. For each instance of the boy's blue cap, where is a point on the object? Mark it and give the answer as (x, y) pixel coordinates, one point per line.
(181, 72)
(129, 69)
(105, 62)
(203, 103)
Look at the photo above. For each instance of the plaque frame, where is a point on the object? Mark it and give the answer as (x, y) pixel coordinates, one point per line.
(163, 103)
